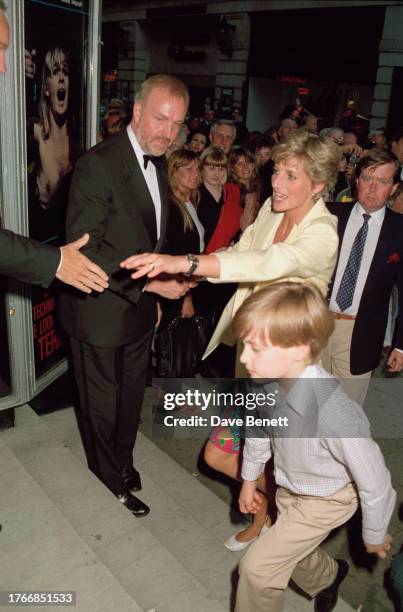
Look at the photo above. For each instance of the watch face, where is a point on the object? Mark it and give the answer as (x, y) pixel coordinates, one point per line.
(194, 262)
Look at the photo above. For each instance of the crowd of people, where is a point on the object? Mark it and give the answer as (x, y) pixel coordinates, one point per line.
(307, 275)
(299, 234)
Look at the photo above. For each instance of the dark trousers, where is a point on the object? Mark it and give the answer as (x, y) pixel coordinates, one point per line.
(111, 383)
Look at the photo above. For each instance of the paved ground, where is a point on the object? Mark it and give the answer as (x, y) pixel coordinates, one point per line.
(368, 583)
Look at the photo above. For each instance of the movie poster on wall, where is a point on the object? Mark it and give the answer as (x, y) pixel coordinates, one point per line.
(55, 52)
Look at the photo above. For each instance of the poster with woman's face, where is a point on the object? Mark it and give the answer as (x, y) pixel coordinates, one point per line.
(55, 51)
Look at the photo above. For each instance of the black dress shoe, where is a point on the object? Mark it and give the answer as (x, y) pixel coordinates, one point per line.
(131, 479)
(134, 504)
(326, 600)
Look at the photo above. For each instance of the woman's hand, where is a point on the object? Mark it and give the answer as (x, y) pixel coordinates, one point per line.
(153, 264)
(249, 498)
(188, 310)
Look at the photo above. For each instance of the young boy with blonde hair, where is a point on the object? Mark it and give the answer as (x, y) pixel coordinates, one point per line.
(321, 478)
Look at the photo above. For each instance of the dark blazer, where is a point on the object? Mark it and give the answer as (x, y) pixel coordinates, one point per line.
(385, 270)
(178, 240)
(110, 200)
(27, 260)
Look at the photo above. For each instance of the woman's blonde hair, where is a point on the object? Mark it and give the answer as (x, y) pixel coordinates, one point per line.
(53, 54)
(178, 159)
(213, 156)
(288, 314)
(319, 154)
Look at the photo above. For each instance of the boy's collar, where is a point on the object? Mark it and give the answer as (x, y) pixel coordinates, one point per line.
(312, 390)
(301, 396)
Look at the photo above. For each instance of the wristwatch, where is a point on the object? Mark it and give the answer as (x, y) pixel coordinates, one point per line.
(193, 263)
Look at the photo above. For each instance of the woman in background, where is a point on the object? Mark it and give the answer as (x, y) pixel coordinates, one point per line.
(185, 234)
(219, 209)
(243, 172)
(197, 141)
(220, 213)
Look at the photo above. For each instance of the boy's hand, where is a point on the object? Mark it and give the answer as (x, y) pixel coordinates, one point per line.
(249, 499)
(380, 549)
(395, 361)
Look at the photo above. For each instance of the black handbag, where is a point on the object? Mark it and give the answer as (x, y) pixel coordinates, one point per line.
(180, 345)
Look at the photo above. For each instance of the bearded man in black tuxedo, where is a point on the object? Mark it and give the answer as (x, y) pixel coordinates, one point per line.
(119, 196)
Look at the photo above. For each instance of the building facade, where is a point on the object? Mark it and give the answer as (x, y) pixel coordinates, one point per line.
(260, 54)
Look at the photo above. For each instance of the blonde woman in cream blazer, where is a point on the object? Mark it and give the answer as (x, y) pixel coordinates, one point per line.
(293, 238)
(308, 254)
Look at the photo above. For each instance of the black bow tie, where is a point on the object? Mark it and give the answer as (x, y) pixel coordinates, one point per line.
(156, 160)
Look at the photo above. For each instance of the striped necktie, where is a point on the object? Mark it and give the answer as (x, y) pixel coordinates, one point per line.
(345, 294)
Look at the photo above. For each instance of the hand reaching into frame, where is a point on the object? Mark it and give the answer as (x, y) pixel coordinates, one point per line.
(79, 271)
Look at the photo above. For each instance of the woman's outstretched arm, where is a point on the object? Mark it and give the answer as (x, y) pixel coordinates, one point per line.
(153, 264)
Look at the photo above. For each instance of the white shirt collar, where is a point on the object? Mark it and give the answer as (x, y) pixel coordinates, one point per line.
(136, 145)
(376, 217)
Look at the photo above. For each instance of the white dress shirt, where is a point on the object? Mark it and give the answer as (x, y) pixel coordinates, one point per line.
(353, 226)
(150, 176)
(323, 465)
(193, 213)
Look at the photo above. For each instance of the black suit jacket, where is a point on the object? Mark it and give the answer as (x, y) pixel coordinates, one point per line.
(110, 200)
(385, 270)
(27, 260)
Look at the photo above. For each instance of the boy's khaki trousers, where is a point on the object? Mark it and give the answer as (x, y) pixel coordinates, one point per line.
(290, 550)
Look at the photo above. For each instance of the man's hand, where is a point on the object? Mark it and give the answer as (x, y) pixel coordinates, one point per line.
(380, 549)
(188, 310)
(395, 361)
(249, 498)
(79, 271)
(168, 287)
(348, 149)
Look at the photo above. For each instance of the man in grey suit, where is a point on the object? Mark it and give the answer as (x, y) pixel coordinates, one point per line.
(28, 260)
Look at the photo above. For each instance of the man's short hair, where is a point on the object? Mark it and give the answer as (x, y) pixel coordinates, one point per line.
(378, 157)
(2, 5)
(288, 314)
(219, 122)
(171, 84)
